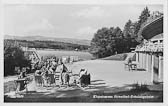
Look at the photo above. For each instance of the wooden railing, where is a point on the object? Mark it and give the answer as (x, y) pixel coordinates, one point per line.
(150, 47)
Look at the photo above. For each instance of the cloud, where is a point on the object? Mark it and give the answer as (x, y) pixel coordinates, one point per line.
(42, 25)
(92, 12)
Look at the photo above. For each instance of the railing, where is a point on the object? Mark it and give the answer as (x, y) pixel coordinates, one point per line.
(150, 47)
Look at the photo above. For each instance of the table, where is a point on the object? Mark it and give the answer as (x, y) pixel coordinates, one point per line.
(133, 66)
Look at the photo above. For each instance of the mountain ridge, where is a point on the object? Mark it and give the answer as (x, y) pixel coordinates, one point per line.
(43, 38)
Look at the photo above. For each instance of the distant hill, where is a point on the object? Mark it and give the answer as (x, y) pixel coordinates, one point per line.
(42, 38)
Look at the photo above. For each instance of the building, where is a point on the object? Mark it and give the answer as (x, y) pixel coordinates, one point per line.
(149, 54)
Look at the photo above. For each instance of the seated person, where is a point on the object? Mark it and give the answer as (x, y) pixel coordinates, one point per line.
(45, 77)
(64, 74)
(82, 72)
(38, 72)
(50, 70)
(65, 78)
(129, 60)
(22, 84)
(84, 77)
(22, 73)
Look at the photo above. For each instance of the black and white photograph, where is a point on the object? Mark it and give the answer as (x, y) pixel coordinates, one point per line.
(83, 53)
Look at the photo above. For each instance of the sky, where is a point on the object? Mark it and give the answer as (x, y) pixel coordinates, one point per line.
(68, 20)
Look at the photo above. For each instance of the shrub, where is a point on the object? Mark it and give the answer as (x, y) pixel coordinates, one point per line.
(13, 57)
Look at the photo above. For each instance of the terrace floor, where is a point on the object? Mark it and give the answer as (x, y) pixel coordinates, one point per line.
(107, 77)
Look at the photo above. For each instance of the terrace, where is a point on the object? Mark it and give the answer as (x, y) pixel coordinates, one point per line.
(152, 31)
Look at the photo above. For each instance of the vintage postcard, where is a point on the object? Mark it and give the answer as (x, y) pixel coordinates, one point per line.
(84, 52)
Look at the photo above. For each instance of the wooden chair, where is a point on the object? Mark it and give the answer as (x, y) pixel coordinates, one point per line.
(85, 80)
(39, 80)
(57, 78)
(133, 65)
(127, 64)
(51, 79)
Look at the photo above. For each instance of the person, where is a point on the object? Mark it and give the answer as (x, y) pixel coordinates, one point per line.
(84, 77)
(38, 72)
(22, 73)
(82, 72)
(22, 81)
(129, 63)
(129, 60)
(45, 77)
(64, 76)
(54, 62)
(50, 70)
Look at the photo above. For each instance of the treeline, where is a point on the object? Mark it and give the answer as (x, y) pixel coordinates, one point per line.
(50, 45)
(110, 41)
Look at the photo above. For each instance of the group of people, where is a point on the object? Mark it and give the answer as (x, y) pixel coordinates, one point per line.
(55, 67)
(50, 66)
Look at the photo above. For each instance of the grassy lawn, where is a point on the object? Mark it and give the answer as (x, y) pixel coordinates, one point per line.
(120, 57)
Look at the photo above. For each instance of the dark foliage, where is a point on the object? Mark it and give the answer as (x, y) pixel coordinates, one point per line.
(142, 18)
(13, 57)
(109, 41)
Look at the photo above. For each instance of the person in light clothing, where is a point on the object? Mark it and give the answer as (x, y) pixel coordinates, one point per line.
(82, 72)
(64, 75)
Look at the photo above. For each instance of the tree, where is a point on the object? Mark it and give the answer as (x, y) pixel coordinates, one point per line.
(13, 57)
(142, 18)
(129, 36)
(129, 29)
(104, 42)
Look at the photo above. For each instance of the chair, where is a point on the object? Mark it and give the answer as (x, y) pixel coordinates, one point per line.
(51, 79)
(127, 63)
(133, 65)
(57, 78)
(39, 80)
(85, 80)
(65, 78)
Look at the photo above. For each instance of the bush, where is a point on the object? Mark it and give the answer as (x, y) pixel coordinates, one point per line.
(13, 57)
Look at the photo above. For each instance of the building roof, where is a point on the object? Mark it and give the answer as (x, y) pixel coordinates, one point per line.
(159, 36)
(152, 28)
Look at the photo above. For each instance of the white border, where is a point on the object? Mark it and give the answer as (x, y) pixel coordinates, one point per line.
(83, 1)
(102, 2)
